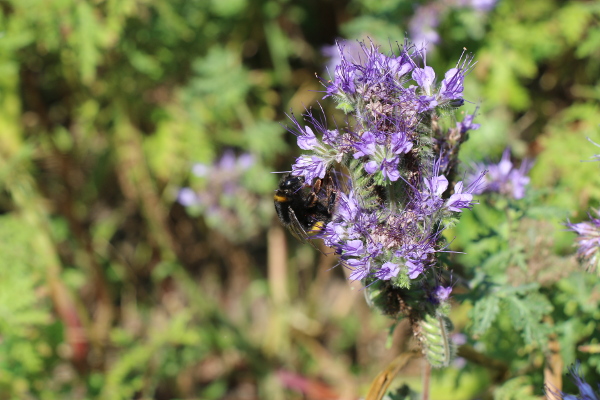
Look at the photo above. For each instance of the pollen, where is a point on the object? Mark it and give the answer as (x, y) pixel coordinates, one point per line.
(280, 199)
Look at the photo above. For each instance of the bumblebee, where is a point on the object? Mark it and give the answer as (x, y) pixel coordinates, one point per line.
(305, 209)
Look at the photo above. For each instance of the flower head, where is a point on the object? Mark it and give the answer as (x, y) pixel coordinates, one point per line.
(588, 241)
(398, 165)
(586, 392)
(504, 177)
(220, 182)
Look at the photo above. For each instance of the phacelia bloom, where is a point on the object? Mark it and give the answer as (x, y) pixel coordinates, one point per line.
(388, 223)
(588, 241)
(395, 168)
(504, 177)
(586, 392)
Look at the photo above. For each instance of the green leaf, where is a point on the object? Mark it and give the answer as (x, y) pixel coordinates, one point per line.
(484, 313)
(526, 315)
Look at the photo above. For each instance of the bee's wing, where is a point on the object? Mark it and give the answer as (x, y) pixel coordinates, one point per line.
(298, 231)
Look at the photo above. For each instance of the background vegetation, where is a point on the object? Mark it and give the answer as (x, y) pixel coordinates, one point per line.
(110, 289)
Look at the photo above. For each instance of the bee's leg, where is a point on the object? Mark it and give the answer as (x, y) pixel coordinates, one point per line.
(317, 186)
(312, 197)
(311, 200)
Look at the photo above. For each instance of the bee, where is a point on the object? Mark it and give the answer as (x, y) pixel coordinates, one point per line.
(305, 209)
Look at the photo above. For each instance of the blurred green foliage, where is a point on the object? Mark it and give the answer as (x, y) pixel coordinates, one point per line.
(109, 290)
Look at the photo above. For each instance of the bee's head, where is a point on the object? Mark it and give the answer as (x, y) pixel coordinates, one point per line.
(292, 183)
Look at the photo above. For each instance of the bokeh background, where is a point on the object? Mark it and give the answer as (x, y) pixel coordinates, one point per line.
(141, 257)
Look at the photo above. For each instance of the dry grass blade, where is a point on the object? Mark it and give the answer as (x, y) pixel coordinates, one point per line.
(382, 382)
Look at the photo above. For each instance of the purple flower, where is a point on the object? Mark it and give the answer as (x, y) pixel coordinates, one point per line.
(588, 241)
(187, 197)
(388, 271)
(586, 392)
(353, 248)
(503, 177)
(460, 200)
(200, 170)
(467, 124)
(442, 293)
(366, 146)
(349, 207)
(414, 269)
(387, 166)
(310, 167)
(390, 217)
(394, 161)
(483, 5)
(423, 24)
(359, 267)
(425, 78)
(431, 198)
(223, 180)
(308, 140)
(452, 84)
(400, 143)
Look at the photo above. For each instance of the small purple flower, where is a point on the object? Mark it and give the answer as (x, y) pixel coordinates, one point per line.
(308, 140)
(223, 180)
(359, 267)
(459, 200)
(483, 5)
(353, 248)
(388, 271)
(415, 269)
(586, 392)
(452, 84)
(391, 211)
(425, 78)
(200, 170)
(349, 207)
(442, 293)
(187, 197)
(422, 26)
(400, 143)
(310, 167)
(387, 166)
(366, 146)
(503, 177)
(431, 197)
(588, 241)
(467, 124)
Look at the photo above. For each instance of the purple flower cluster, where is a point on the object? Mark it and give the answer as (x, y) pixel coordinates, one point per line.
(504, 177)
(224, 173)
(588, 241)
(398, 161)
(225, 203)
